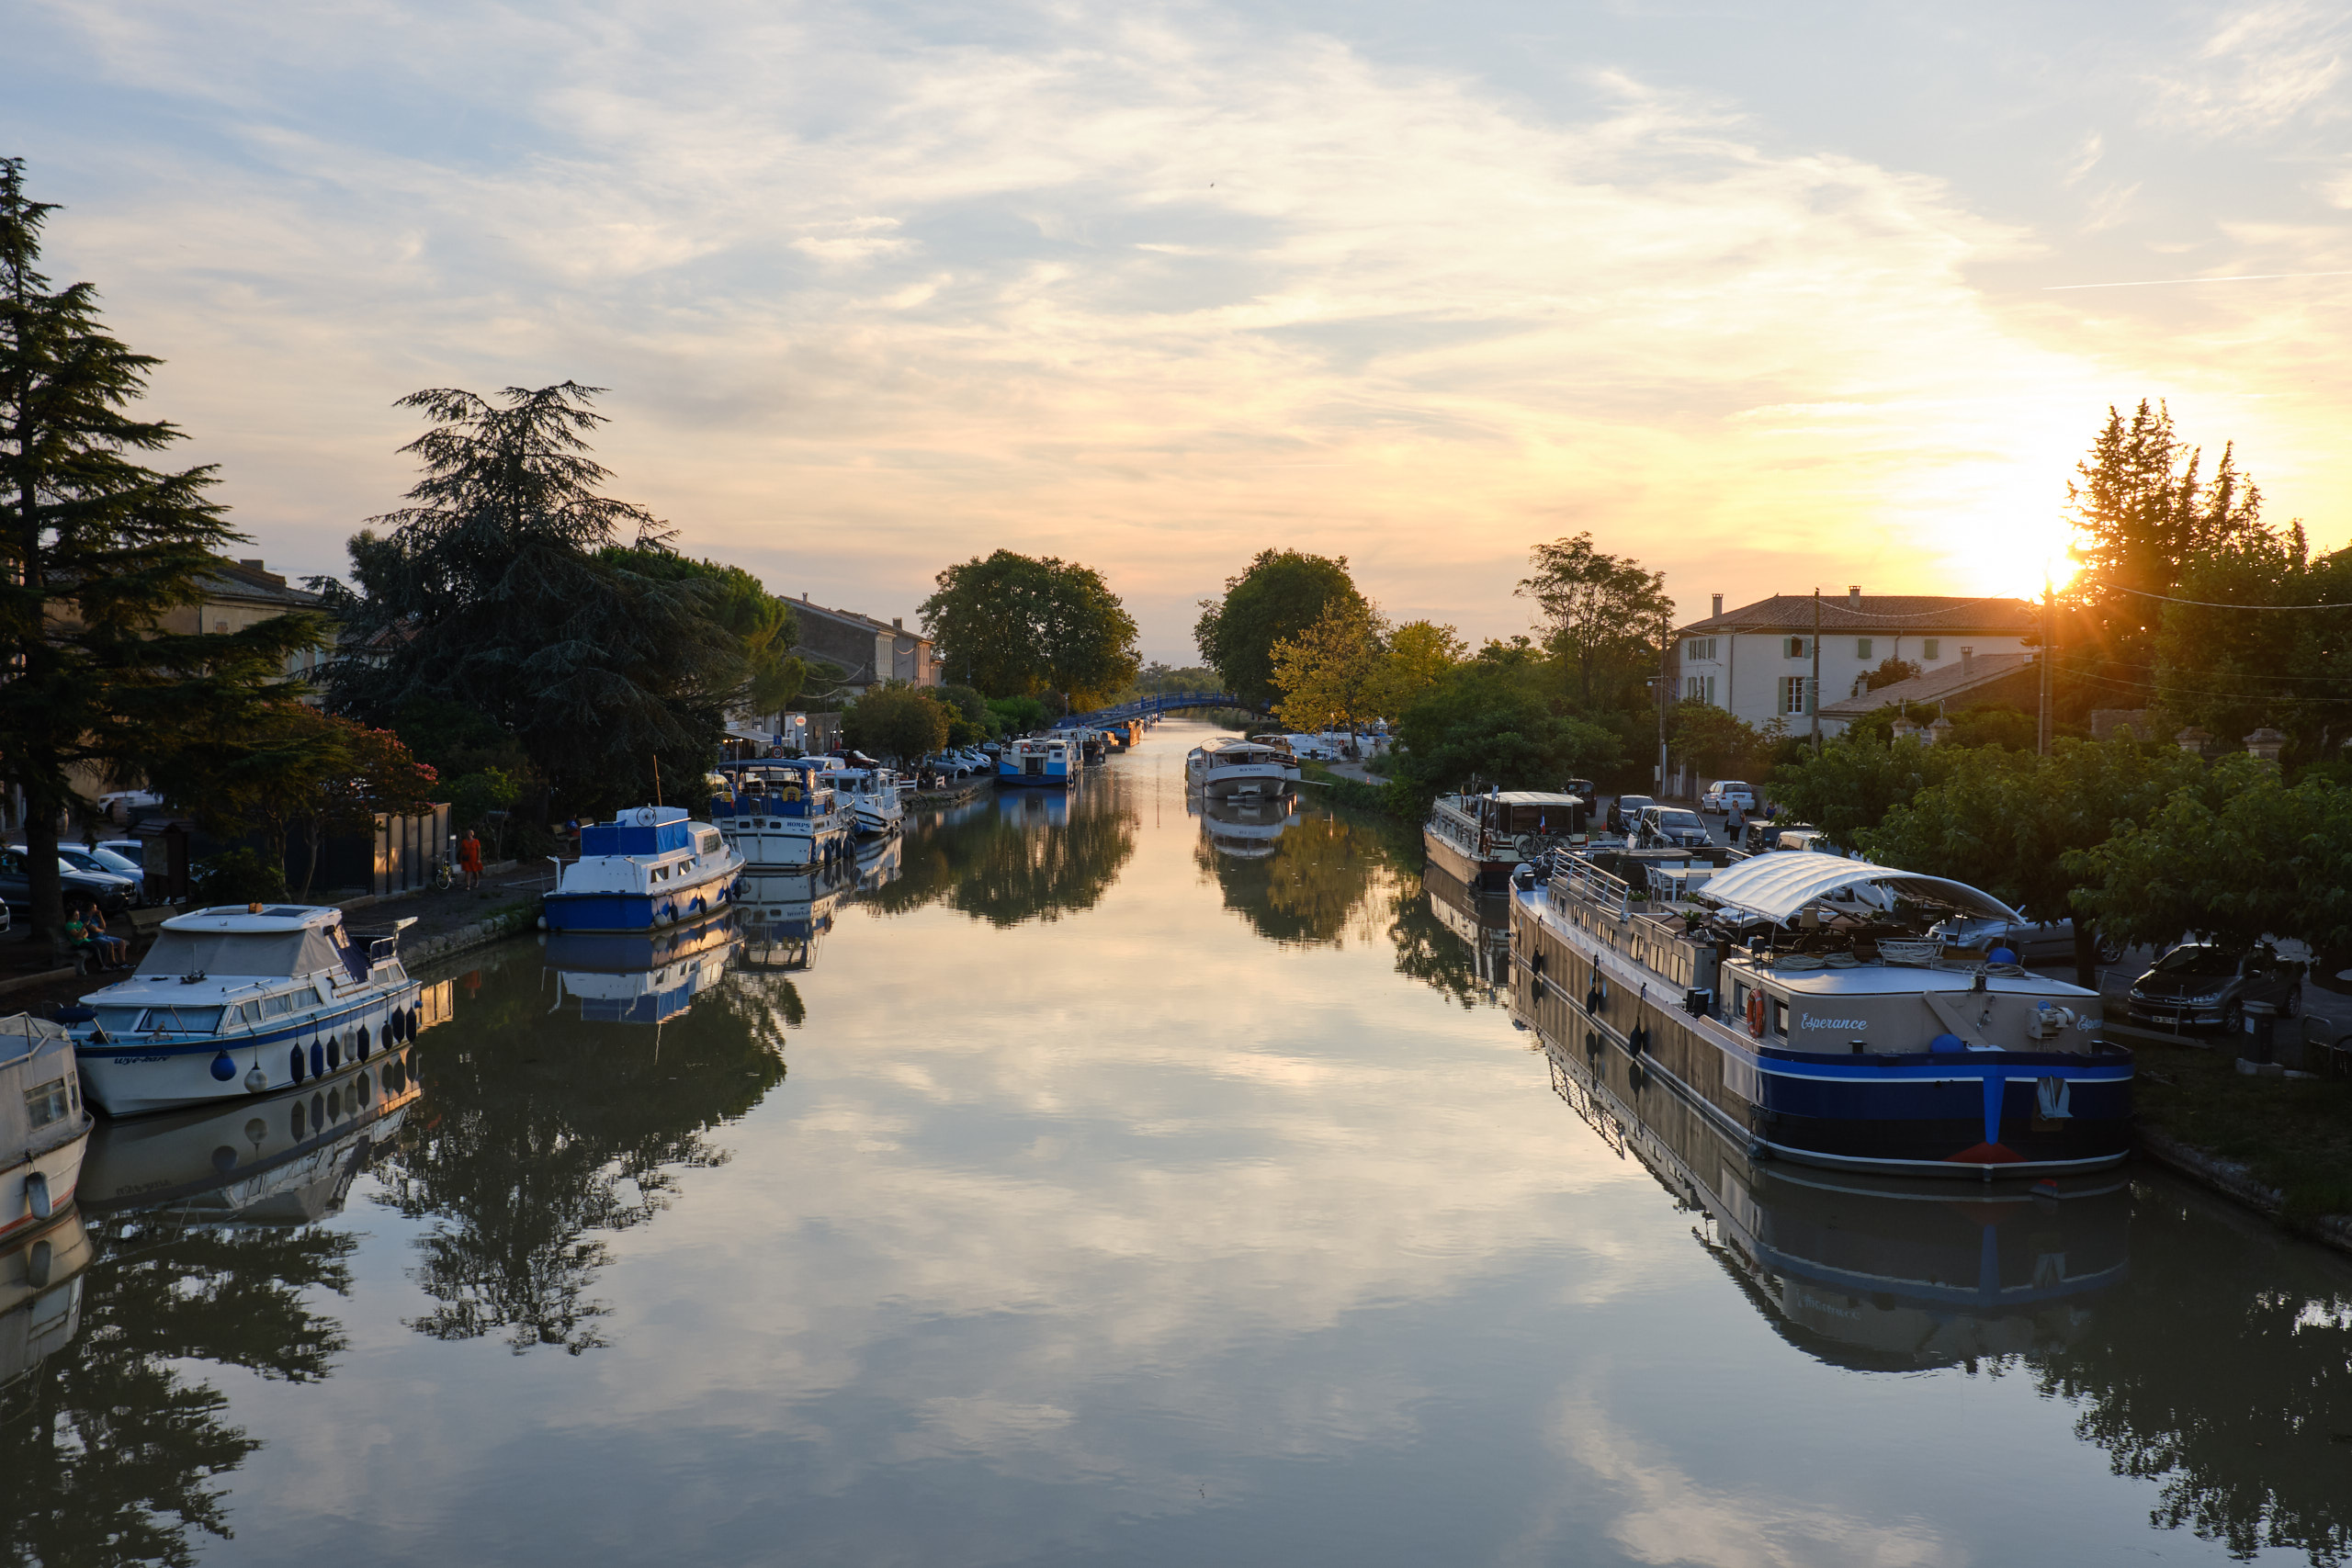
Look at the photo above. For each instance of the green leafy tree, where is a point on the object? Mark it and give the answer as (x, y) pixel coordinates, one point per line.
(2231, 857)
(1282, 594)
(482, 801)
(2247, 654)
(1606, 617)
(2020, 826)
(1018, 716)
(1016, 626)
(968, 719)
(762, 624)
(898, 724)
(1855, 781)
(1419, 655)
(95, 551)
(1488, 722)
(1718, 742)
(1328, 674)
(1890, 670)
(489, 592)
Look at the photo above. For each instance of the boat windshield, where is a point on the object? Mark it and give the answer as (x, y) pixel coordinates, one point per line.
(258, 954)
(147, 1020)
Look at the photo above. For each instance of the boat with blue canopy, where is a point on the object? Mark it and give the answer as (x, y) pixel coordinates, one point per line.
(649, 866)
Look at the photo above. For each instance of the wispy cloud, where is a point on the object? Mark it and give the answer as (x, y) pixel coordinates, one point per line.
(2260, 68)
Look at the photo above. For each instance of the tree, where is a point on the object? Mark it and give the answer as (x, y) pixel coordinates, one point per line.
(1282, 594)
(1487, 722)
(1717, 742)
(2232, 857)
(1327, 674)
(968, 721)
(1890, 670)
(1016, 626)
(1419, 655)
(1855, 781)
(2141, 515)
(94, 552)
(483, 801)
(897, 723)
(1606, 617)
(1017, 716)
(2020, 826)
(489, 592)
(762, 624)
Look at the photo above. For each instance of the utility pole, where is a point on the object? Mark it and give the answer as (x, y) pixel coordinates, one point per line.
(1813, 688)
(1665, 695)
(2049, 676)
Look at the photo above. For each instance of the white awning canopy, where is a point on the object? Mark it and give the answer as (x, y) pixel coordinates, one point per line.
(1777, 886)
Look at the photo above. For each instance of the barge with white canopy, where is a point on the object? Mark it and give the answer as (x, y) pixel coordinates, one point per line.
(1481, 839)
(1797, 1000)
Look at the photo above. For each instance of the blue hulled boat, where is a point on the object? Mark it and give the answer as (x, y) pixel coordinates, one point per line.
(648, 867)
(781, 811)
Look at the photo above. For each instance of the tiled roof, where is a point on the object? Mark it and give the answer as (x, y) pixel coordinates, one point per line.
(248, 581)
(1944, 683)
(1877, 612)
(855, 618)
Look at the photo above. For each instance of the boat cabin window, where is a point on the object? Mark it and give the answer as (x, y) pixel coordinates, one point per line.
(170, 1020)
(661, 874)
(1779, 1018)
(707, 843)
(46, 1102)
(119, 1021)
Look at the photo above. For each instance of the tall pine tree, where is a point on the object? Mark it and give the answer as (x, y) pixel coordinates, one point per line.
(96, 550)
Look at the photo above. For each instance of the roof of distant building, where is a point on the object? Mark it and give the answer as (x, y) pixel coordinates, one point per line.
(893, 627)
(1891, 613)
(1945, 683)
(250, 580)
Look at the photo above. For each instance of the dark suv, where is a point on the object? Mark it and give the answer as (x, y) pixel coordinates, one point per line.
(2197, 986)
(16, 892)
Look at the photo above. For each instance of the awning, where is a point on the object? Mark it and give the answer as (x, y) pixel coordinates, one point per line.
(1777, 886)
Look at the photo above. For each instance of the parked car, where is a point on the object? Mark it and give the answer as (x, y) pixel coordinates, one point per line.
(2034, 942)
(1583, 789)
(105, 861)
(2200, 986)
(1725, 793)
(111, 894)
(1670, 827)
(1626, 812)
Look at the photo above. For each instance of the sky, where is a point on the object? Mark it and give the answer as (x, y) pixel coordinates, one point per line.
(1767, 297)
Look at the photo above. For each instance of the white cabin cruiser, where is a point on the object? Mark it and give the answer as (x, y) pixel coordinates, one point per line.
(648, 867)
(777, 811)
(43, 1126)
(1049, 761)
(872, 795)
(239, 1000)
(1241, 767)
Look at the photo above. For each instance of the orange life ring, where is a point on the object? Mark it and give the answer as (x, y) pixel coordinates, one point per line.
(1756, 1014)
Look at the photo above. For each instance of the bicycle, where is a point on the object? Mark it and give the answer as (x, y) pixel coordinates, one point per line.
(445, 877)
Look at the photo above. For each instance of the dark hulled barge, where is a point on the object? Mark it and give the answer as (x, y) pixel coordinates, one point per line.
(1795, 999)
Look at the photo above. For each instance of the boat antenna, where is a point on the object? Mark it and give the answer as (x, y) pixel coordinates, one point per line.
(657, 777)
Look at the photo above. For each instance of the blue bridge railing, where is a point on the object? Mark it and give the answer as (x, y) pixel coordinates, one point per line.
(1157, 704)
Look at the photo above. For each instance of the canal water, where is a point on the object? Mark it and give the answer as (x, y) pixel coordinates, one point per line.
(1093, 1181)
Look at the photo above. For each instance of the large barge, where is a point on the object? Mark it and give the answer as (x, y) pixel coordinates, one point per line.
(1795, 999)
(1480, 839)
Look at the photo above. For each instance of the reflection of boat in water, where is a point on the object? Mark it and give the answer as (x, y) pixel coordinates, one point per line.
(643, 983)
(41, 1293)
(283, 1159)
(879, 861)
(1481, 921)
(1869, 1271)
(44, 1128)
(1023, 807)
(1247, 826)
(784, 913)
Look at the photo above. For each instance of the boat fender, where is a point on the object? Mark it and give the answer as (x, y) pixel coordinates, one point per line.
(224, 1159)
(256, 1080)
(1593, 999)
(318, 1060)
(37, 1262)
(1947, 1043)
(335, 1052)
(1536, 961)
(1756, 1013)
(294, 1064)
(360, 1042)
(1592, 1043)
(393, 1024)
(37, 1195)
(224, 1067)
(1639, 1041)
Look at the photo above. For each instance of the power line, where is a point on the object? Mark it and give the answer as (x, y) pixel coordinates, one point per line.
(2211, 604)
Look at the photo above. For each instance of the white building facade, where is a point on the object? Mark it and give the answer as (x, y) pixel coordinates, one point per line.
(1756, 661)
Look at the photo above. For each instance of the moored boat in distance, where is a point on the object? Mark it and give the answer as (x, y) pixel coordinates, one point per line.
(242, 999)
(1796, 1000)
(1045, 761)
(649, 866)
(44, 1128)
(779, 811)
(1223, 768)
(1479, 838)
(871, 794)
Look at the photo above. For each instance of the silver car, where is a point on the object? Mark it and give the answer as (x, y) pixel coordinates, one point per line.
(2034, 942)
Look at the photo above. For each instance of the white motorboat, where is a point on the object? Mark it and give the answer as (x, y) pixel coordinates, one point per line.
(1049, 761)
(43, 1125)
(649, 866)
(242, 999)
(872, 795)
(778, 811)
(1241, 767)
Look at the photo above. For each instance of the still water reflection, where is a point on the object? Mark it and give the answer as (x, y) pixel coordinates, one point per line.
(1140, 1191)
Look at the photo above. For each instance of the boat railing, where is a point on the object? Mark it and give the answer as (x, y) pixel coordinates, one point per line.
(1588, 884)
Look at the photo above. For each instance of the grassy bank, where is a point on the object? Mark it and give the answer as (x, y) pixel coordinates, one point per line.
(1354, 793)
(2294, 1135)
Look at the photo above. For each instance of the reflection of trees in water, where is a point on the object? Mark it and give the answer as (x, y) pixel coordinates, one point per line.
(1012, 864)
(2225, 1374)
(539, 1132)
(110, 1448)
(1311, 889)
(1426, 949)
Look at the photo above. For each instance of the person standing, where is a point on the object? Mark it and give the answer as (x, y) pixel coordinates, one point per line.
(469, 860)
(1736, 826)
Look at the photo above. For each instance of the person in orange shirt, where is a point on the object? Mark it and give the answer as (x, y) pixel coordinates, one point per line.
(469, 859)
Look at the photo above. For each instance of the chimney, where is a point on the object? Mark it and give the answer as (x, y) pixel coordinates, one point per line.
(1967, 661)
(898, 623)
(1853, 596)
(1719, 607)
